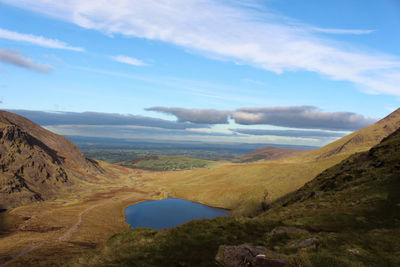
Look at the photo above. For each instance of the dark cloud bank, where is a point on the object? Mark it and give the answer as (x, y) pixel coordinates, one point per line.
(304, 117)
(97, 118)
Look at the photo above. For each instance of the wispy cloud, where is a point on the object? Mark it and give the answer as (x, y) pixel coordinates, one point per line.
(15, 59)
(129, 60)
(341, 31)
(37, 40)
(201, 88)
(235, 32)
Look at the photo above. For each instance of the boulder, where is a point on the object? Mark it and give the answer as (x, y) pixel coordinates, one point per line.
(354, 251)
(246, 255)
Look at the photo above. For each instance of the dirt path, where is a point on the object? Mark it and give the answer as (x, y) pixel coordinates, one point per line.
(66, 235)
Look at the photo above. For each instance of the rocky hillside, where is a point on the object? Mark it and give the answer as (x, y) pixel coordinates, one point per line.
(36, 164)
(268, 153)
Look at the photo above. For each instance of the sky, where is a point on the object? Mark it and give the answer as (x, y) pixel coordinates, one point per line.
(300, 72)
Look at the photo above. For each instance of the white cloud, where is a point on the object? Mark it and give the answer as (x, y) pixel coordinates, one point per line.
(206, 116)
(128, 60)
(36, 40)
(233, 32)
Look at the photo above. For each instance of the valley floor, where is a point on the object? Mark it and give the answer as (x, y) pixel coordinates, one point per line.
(52, 232)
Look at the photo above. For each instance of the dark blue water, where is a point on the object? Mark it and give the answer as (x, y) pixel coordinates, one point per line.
(167, 213)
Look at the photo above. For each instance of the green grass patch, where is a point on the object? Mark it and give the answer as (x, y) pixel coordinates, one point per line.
(168, 163)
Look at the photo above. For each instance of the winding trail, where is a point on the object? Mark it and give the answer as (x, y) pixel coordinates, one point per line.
(64, 237)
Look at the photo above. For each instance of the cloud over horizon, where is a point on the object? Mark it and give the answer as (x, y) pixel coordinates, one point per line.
(234, 31)
(197, 124)
(13, 58)
(45, 118)
(305, 117)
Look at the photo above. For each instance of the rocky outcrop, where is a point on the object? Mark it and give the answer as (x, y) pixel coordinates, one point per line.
(63, 147)
(246, 255)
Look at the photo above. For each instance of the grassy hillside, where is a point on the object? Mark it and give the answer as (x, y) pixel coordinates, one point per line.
(167, 163)
(268, 153)
(349, 215)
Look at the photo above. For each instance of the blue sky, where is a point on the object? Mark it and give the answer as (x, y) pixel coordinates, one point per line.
(280, 66)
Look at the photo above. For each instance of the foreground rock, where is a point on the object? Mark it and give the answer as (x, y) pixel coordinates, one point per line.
(246, 255)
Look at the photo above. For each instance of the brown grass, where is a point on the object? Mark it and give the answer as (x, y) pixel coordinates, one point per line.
(51, 232)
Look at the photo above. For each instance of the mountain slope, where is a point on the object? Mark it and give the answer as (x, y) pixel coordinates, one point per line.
(360, 140)
(268, 153)
(64, 147)
(36, 164)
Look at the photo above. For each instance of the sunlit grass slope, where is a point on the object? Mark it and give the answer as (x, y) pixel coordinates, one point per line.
(238, 186)
(242, 187)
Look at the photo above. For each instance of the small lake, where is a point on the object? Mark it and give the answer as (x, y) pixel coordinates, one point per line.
(168, 213)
